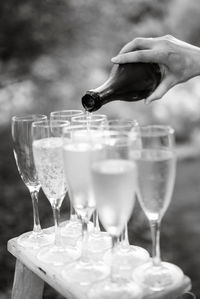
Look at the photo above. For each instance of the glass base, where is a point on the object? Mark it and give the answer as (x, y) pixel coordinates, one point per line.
(109, 289)
(74, 227)
(85, 273)
(58, 256)
(134, 255)
(126, 259)
(71, 227)
(71, 232)
(35, 240)
(157, 278)
(98, 243)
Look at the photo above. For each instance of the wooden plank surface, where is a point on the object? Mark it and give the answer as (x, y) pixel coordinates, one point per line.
(53, 275)
(26, 283)
(48, 273)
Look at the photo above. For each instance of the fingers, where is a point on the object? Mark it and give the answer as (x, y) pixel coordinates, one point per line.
(141, 43)
(137, 56)
(161, 90)
(137, 43)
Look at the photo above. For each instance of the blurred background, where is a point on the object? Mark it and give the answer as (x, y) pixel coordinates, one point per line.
(51, 52)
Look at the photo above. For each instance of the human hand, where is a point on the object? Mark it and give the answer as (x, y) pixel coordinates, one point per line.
(171, 292)
(179, 61)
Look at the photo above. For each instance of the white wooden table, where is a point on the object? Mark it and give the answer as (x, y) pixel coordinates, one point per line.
(30, 275)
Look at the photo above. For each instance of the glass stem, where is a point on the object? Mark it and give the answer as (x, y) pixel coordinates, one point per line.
(113, 266)
(124, 237)
(36, 218)
(96, 221)
(56, 217)
(84, 255)
(73, 216)
(155, 233)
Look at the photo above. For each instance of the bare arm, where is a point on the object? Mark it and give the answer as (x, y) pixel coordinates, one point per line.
(178, 60)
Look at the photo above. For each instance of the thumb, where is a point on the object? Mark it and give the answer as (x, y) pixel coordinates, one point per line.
(160, 91)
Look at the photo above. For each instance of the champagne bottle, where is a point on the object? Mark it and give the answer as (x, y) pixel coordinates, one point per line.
(127, 82)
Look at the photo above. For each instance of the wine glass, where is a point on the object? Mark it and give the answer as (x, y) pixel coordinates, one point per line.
(48, 157)
(98, 241)
(94, 119)
(65, 114)
(80, 147)
(73, 226)
(114, 185)
(156, 165)
(22, 141)
(127, 256)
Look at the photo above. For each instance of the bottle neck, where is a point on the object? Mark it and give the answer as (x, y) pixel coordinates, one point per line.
(95, 98)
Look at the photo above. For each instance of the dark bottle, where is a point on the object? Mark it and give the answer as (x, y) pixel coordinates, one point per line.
(127, 82)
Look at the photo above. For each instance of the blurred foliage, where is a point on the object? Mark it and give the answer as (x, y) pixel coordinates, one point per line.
(58, 49)
(51, 52)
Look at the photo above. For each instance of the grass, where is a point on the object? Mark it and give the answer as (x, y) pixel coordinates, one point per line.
(180, 233)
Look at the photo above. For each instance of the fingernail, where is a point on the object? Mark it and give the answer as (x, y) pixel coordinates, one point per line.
(147, 102)
(114, 59)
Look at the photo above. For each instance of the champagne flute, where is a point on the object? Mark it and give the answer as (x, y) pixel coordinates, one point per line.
(48, 157)
(114, 185)
(22, 141)
(156, 165)
(73, 226)
(65, 114)
(80, 147)
(94, 119)
(127, 256)
(98, 241)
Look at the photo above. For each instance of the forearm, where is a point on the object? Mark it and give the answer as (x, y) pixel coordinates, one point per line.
(195, 62)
